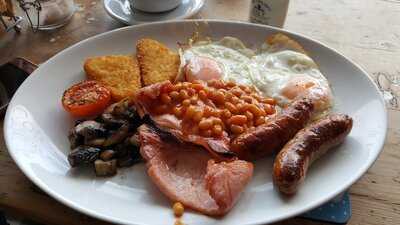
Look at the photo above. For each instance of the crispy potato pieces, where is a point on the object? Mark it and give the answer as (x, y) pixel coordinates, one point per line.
(157, 62)
(280, 41)
(120, 73)
(123, 74)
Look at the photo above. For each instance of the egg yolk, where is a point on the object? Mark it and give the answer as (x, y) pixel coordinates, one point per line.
(296, 87)
(306, 87)
(202, 68)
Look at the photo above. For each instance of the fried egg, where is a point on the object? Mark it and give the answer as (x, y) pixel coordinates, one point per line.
(282, 74)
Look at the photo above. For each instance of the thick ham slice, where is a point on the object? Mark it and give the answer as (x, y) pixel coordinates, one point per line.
(188, 174)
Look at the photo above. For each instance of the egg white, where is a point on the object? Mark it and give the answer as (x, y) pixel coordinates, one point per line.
(230, 54)
(269, 72)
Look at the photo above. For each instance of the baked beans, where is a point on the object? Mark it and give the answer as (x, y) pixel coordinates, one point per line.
(236, 129)
(186, 102)
(190, 111)
(249, 115)
(165, 98)
(183, 94)
(198, 116)
(231, 107)
(174, 95)
(238, 119)
(217, 130)
(178, 112)
(205, 124)
(202, 95)
(214, 107)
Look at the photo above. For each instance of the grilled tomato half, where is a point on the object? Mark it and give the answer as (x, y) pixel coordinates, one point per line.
(86, 99)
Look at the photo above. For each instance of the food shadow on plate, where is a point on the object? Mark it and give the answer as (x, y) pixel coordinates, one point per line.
(262, 178)
(127, 176)
(84, 172)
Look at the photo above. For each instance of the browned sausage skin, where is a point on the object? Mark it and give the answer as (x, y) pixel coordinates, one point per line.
(293, 161)
(273, 135)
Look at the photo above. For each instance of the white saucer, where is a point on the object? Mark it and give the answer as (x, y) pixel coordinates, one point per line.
(121, 11)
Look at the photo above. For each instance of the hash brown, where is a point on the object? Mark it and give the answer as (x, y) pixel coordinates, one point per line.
(120, 73)
(157, 62)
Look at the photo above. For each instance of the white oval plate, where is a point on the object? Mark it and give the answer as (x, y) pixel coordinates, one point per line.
(36, 129)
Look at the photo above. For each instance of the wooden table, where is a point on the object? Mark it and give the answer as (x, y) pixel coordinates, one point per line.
(367, 31)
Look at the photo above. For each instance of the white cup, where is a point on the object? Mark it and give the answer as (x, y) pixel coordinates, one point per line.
(269, 12)
(155, 6)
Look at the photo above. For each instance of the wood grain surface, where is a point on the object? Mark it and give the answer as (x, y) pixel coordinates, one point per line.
(366, 31)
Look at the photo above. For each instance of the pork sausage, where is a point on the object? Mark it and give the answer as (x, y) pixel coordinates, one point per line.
(273, 135)
(293, 161)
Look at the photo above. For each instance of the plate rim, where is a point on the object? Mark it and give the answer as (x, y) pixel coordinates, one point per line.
(116, 17)
(53, 193)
